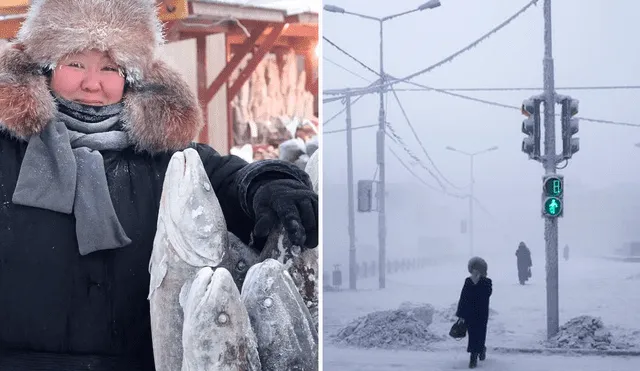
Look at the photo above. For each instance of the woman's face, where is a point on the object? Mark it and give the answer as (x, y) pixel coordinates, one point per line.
(89, 77)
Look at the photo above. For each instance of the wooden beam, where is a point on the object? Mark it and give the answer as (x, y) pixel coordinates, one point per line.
(230, 115)
(241, 12)
(223, 76)
(255, 60)
(303, 18)
(294, 29)
(201, 56)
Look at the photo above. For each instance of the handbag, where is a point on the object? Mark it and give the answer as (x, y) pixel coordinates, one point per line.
(458, 330)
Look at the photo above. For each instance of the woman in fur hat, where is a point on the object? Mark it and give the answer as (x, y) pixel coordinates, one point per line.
(473, 308)
(89, 119)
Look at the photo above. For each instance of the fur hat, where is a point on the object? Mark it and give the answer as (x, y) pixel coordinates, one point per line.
(161, 113)
(478, 263)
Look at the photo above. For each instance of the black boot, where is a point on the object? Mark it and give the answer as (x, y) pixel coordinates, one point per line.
(473, 361)
(483, 354)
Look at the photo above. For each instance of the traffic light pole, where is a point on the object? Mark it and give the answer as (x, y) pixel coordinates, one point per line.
(382, 225)
(550, 224)
(352, 216)
(471, 199)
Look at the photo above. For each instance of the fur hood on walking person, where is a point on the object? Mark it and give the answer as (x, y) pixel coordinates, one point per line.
(89, 119)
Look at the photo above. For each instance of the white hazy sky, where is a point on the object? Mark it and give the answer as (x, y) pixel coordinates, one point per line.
(592, 45)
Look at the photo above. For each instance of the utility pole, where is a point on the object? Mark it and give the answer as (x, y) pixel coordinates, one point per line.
(471, 199)
(380, 137)
(550, 224)
(382, 225)
(352, 217)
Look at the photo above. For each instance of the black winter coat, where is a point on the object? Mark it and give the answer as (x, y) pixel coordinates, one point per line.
(473, 305)
(523, 258)
(52, 299)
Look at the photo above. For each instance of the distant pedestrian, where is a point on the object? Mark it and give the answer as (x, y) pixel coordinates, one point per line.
(523, 255)
(565, 253)
(473, 308)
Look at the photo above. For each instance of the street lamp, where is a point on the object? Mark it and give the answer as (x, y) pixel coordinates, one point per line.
(382, 231)
(471, 155)
(430, 5)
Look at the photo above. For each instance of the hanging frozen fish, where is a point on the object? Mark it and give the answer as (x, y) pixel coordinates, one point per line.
(217, 333)
(302, 266)
(312, 169)
(286, 337)
(239, 258)
(191, 234)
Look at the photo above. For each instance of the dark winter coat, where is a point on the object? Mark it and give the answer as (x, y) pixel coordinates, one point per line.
(523, 256)
(52, 299)
(473, 305)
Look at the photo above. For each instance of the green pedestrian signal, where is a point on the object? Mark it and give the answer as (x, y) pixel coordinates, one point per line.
(552, 206)
(552, 196)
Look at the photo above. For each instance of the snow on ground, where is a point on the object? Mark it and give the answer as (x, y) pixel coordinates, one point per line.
(340, 359)
(588, 286)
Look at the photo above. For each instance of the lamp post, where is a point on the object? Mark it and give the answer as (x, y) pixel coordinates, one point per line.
(471, 156)
(382, 232)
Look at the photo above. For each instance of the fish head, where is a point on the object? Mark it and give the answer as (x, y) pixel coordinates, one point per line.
(191, 211)
(279, 318)
(216, 330)
(240, 258)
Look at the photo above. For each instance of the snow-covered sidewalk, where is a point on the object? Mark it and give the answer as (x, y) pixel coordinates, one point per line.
(588, 286)
(341, 359)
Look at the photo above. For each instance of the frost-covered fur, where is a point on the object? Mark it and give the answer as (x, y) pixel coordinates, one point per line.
(161, 112)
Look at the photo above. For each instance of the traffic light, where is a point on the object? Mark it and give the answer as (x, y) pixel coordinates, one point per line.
(552, 196)
(570, 126)
(531, 127)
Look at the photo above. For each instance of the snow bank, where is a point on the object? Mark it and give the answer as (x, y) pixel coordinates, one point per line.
(405, 328)
(585, 332)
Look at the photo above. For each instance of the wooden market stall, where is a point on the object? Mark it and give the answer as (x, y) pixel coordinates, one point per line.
(271, 66)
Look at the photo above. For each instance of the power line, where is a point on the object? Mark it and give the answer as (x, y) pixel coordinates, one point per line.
(368, 90)
(424, 150)
(400, 142)
(420, 179)
(502, 105)
(473, 44)
(343, 130)
(612, 87)
(345, 69)
(340, 112)
(351, 56)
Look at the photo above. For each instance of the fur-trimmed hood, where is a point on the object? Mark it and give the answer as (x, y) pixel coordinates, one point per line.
(160, 111)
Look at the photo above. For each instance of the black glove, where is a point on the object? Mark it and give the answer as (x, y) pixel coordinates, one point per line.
(291, 203)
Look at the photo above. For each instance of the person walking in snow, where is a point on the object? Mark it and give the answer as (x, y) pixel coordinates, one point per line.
(89, 120)
(473, 308)
(523, 257)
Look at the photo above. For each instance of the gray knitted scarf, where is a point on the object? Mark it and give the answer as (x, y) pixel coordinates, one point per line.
(63, 171)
